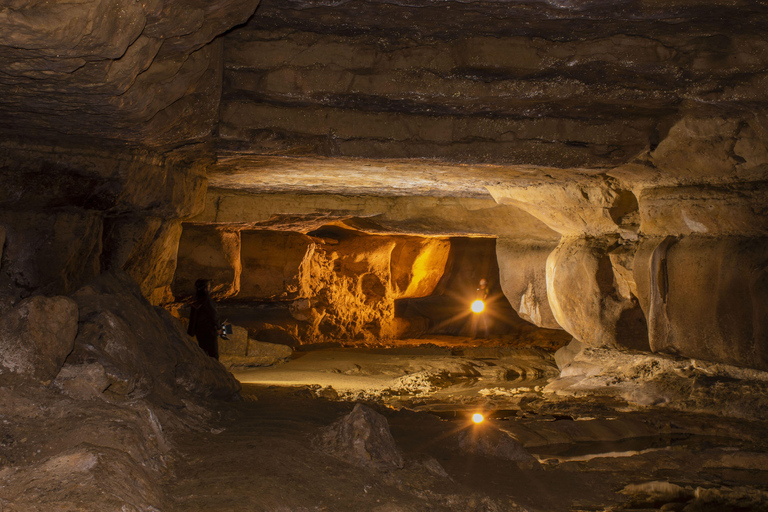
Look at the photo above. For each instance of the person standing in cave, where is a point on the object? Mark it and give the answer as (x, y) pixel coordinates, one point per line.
(204, 320)
(480, 318)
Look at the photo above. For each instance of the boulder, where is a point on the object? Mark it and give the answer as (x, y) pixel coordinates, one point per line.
(565, 355)
(142, 348)
(523, 278)
(362, 437)
(83, 381)
(236, 344)
(484, 439)
(586, 298)
(708, 299)
(259, 353)
(268, 353)
(37, 335)
(207, 252)
(55, 252)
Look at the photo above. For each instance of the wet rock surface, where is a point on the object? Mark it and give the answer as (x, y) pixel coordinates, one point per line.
(592, 448)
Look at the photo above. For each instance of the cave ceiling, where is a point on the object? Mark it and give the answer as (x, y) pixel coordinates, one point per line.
(438, 98)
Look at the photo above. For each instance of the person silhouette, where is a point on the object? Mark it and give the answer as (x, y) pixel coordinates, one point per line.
(204, 320)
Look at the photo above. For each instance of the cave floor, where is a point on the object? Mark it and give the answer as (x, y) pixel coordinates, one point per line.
(591, 452)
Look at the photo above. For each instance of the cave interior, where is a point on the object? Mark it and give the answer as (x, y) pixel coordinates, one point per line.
(344, 172)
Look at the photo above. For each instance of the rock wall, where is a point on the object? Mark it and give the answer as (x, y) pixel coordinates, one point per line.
(335, 284)
(68, 214)
(140, 72)
(642, 262)
(544, 84)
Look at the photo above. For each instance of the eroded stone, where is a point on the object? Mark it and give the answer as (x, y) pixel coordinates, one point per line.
(37, 335)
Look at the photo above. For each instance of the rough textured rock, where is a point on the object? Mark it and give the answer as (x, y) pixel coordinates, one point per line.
(274, 265)
(206, 252)
(484, 439)
(362, 437)
(122, 70)
(714, 210)
(37, 336)
(709, 299)
(88, 478)
(142, 349)
(483, 82)
(117, 181)
(416, 266)
(338, 283)
(523, 279)
(586, 296)
(146, 248)
(53, 251)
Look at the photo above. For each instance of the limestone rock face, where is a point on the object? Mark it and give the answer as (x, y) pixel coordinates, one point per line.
(712, 146)
(53, 251)
(523, 275)
(590, 204)
(713, 210)
(442, 200)
(489, 81)
(337, 283)
(37, 335)
(123, 70)
(709, 299)
(274, 265)
(116, 181)
(362, 438)
(416, 266)
(208, 253)
(586, 296)
(146, 248)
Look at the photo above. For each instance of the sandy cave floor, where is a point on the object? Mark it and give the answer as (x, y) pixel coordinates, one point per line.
(591, 452)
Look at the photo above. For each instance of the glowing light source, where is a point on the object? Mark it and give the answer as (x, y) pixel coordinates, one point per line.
(478, 306)
(477, 417)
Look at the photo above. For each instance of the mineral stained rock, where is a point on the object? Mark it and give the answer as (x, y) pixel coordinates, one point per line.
(339, 282)
(37, 335)
(362, 438)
